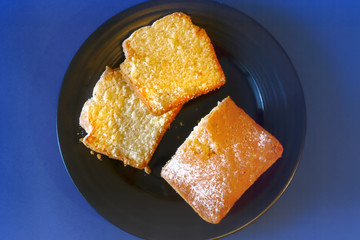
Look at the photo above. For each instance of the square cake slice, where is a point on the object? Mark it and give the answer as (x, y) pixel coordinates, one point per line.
(119, 125)
(171, 62)
(222, 157)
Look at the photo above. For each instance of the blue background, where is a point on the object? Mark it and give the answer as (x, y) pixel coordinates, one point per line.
(38, 39)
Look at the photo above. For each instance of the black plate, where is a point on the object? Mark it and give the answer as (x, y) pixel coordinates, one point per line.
(260, 79)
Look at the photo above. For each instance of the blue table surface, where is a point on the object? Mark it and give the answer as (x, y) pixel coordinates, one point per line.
(38, 39)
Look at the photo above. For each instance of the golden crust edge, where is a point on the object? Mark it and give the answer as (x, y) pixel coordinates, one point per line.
(129, 53)
(278, 151)
(86, 125)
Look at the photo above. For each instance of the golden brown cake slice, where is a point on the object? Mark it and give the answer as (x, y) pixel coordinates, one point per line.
(119, 125)
(171, 62)
(222, 157)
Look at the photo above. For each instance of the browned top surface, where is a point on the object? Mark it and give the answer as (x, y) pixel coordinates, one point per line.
(220, 160)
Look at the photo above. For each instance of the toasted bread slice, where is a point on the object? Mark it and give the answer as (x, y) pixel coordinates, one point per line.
(119, 125)
(171, 62)
(223, 156)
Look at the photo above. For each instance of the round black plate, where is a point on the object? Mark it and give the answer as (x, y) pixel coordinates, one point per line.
(260, 79)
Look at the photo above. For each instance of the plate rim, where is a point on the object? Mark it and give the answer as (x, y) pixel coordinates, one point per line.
(140, 6)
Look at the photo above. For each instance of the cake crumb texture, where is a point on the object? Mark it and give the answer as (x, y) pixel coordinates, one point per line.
(119, 125)
(171, 62)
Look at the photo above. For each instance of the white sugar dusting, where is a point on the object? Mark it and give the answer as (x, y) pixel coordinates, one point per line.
(263, 139)
(210, 171)
(206, 189)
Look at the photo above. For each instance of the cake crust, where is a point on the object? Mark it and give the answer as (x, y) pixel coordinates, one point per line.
(171, 62)
(119, 125)
(222, 157)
